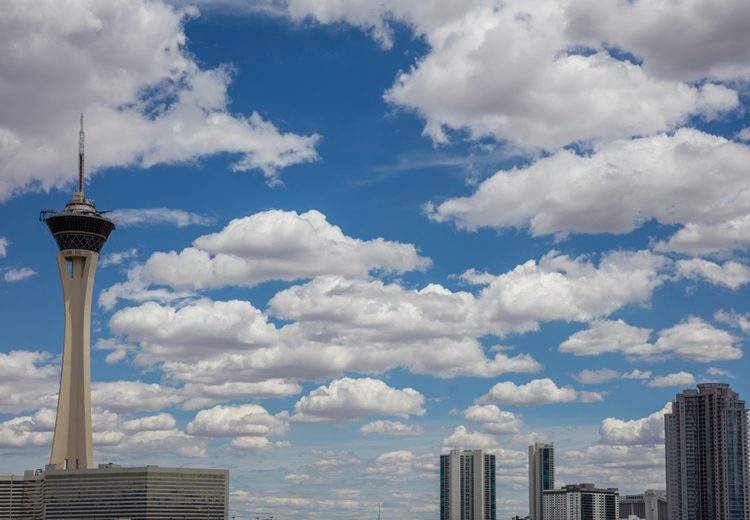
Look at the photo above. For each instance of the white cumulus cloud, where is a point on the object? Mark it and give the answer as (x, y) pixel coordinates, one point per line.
(391, 428)
(675, 379)
(118, 258)
(256, 443)
(559, 287)
(688, 40)
(689, 178)
(467, 439)
(28, 381)
(162, 421)
(270, 245)
(132, 396)
(245, 420)
(349, 398)
(646, 430)
(28, 430)
(729, 274)
(556, 80)
(693, 339)
(535, 392)
(698, 340)
(18, 275)
(493, 419)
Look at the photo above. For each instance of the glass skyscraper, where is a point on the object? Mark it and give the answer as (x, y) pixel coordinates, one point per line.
(707, 455)
(541, 476)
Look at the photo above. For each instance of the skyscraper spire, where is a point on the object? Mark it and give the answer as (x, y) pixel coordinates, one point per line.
(80, 232)
(80, 157)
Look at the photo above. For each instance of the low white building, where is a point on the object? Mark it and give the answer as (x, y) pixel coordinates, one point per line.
(649, 505)
(580, 502)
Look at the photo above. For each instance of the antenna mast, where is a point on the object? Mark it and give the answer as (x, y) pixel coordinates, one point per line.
(80, 157)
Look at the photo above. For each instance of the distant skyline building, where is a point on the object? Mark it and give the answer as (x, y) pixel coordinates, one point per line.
(581, 502)
(706, 445)
(541, 476)
(649, 505)
(80, 232)
(467, 485)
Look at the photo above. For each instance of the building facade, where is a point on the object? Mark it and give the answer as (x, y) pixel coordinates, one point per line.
(113, 492)
(649, 505)
(580, 502)
(707, 455)
(13, 503)
(467, 485)
(541, 476)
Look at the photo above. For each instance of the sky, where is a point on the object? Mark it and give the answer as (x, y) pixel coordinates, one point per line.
(355, 234)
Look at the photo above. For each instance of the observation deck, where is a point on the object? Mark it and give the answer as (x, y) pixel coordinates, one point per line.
(79, 225)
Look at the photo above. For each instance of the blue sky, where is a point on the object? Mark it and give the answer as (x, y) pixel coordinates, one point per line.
(352, 235)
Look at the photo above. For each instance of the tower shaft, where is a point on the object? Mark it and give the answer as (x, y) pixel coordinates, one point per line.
(72, 442)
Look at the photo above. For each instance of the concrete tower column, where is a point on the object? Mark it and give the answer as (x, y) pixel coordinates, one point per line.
(72, 443)
(80, 232)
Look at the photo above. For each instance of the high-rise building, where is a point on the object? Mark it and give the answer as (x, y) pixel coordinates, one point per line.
(541, 476)
(467, 485)
(707, 455)
(649, 505)
(80, 232)
(580, 502)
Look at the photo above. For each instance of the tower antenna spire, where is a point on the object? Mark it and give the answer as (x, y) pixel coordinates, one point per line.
(80, 157)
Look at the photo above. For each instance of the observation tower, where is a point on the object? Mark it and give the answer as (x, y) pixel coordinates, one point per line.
(80, 232)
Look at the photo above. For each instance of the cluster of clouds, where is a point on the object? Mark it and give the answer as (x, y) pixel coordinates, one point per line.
(628, 451)
(348, 398)
(537, 391)
(29, 383)
(567, 73)
(163, 106)
(270, 245)
(341, 316)
(690, 178)
(626, 92)
(693, 339)
(366, 325)
(113, 434)
(675, 379)
(622, 92)
(13, 274)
